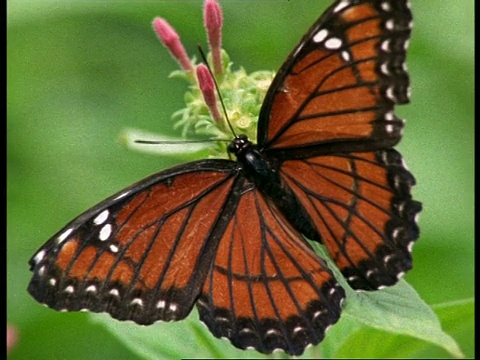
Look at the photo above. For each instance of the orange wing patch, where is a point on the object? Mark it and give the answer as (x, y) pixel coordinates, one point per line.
(141, 262)
(267, 289)
(361, 206)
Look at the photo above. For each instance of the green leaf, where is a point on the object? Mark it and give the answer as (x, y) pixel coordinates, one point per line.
(400, 310)
(371, 343)
(457, 318)
(397, 309)
(188, 338)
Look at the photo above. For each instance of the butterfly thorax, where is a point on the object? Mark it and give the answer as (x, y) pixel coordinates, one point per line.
(254, 165)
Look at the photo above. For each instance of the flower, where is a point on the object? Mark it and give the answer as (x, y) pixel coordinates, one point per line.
(242, 94)
(213, 20)
(207, 86)
(170, 39)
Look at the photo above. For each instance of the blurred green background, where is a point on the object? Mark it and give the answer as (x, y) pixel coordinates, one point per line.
(80, 72)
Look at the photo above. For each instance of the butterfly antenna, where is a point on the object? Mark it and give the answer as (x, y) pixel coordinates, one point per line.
(204, 58)
(176, 142)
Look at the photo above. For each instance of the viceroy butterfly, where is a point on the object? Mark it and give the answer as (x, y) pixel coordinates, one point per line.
(227, 236)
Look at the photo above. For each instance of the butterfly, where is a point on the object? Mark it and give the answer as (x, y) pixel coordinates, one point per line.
(229, 236)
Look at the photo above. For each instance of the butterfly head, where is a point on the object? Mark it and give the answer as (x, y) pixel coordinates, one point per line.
(239, 145)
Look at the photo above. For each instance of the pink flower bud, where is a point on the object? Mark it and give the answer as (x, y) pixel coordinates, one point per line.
(213, 19)
(170, 39)
(12, 337)
(207, 86)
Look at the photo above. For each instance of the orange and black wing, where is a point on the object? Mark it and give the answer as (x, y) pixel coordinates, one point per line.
(361, 206)
(266, 288)
(337, 89)
(144, 253)
(329, 125)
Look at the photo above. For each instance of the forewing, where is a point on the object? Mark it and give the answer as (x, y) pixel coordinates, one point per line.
(361, 206)
(142, 254)
(338, 87)
(267, 289)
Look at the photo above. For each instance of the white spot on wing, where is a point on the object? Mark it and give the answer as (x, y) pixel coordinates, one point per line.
(173, 307)
(395, 233)
(41, 271)
(389, 93)
(396, 182)
(100, 219)
(333, 43)
(346, 55)
(386, 6)
(410, 246)
(221, 319)
(416, 218)
(114, 248)
(390, 24)
(137, 301)
(320, 36)
(384, 69)
(64, 235)
(105, 232)
(52, 281)
(298, 329)
(114, 292)
(69, 289)
(385, 46)
(317, 314)
(389, 116)
(271, 332)
(91, 288)
(161, 304)
(341, 6)
(39, 257)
